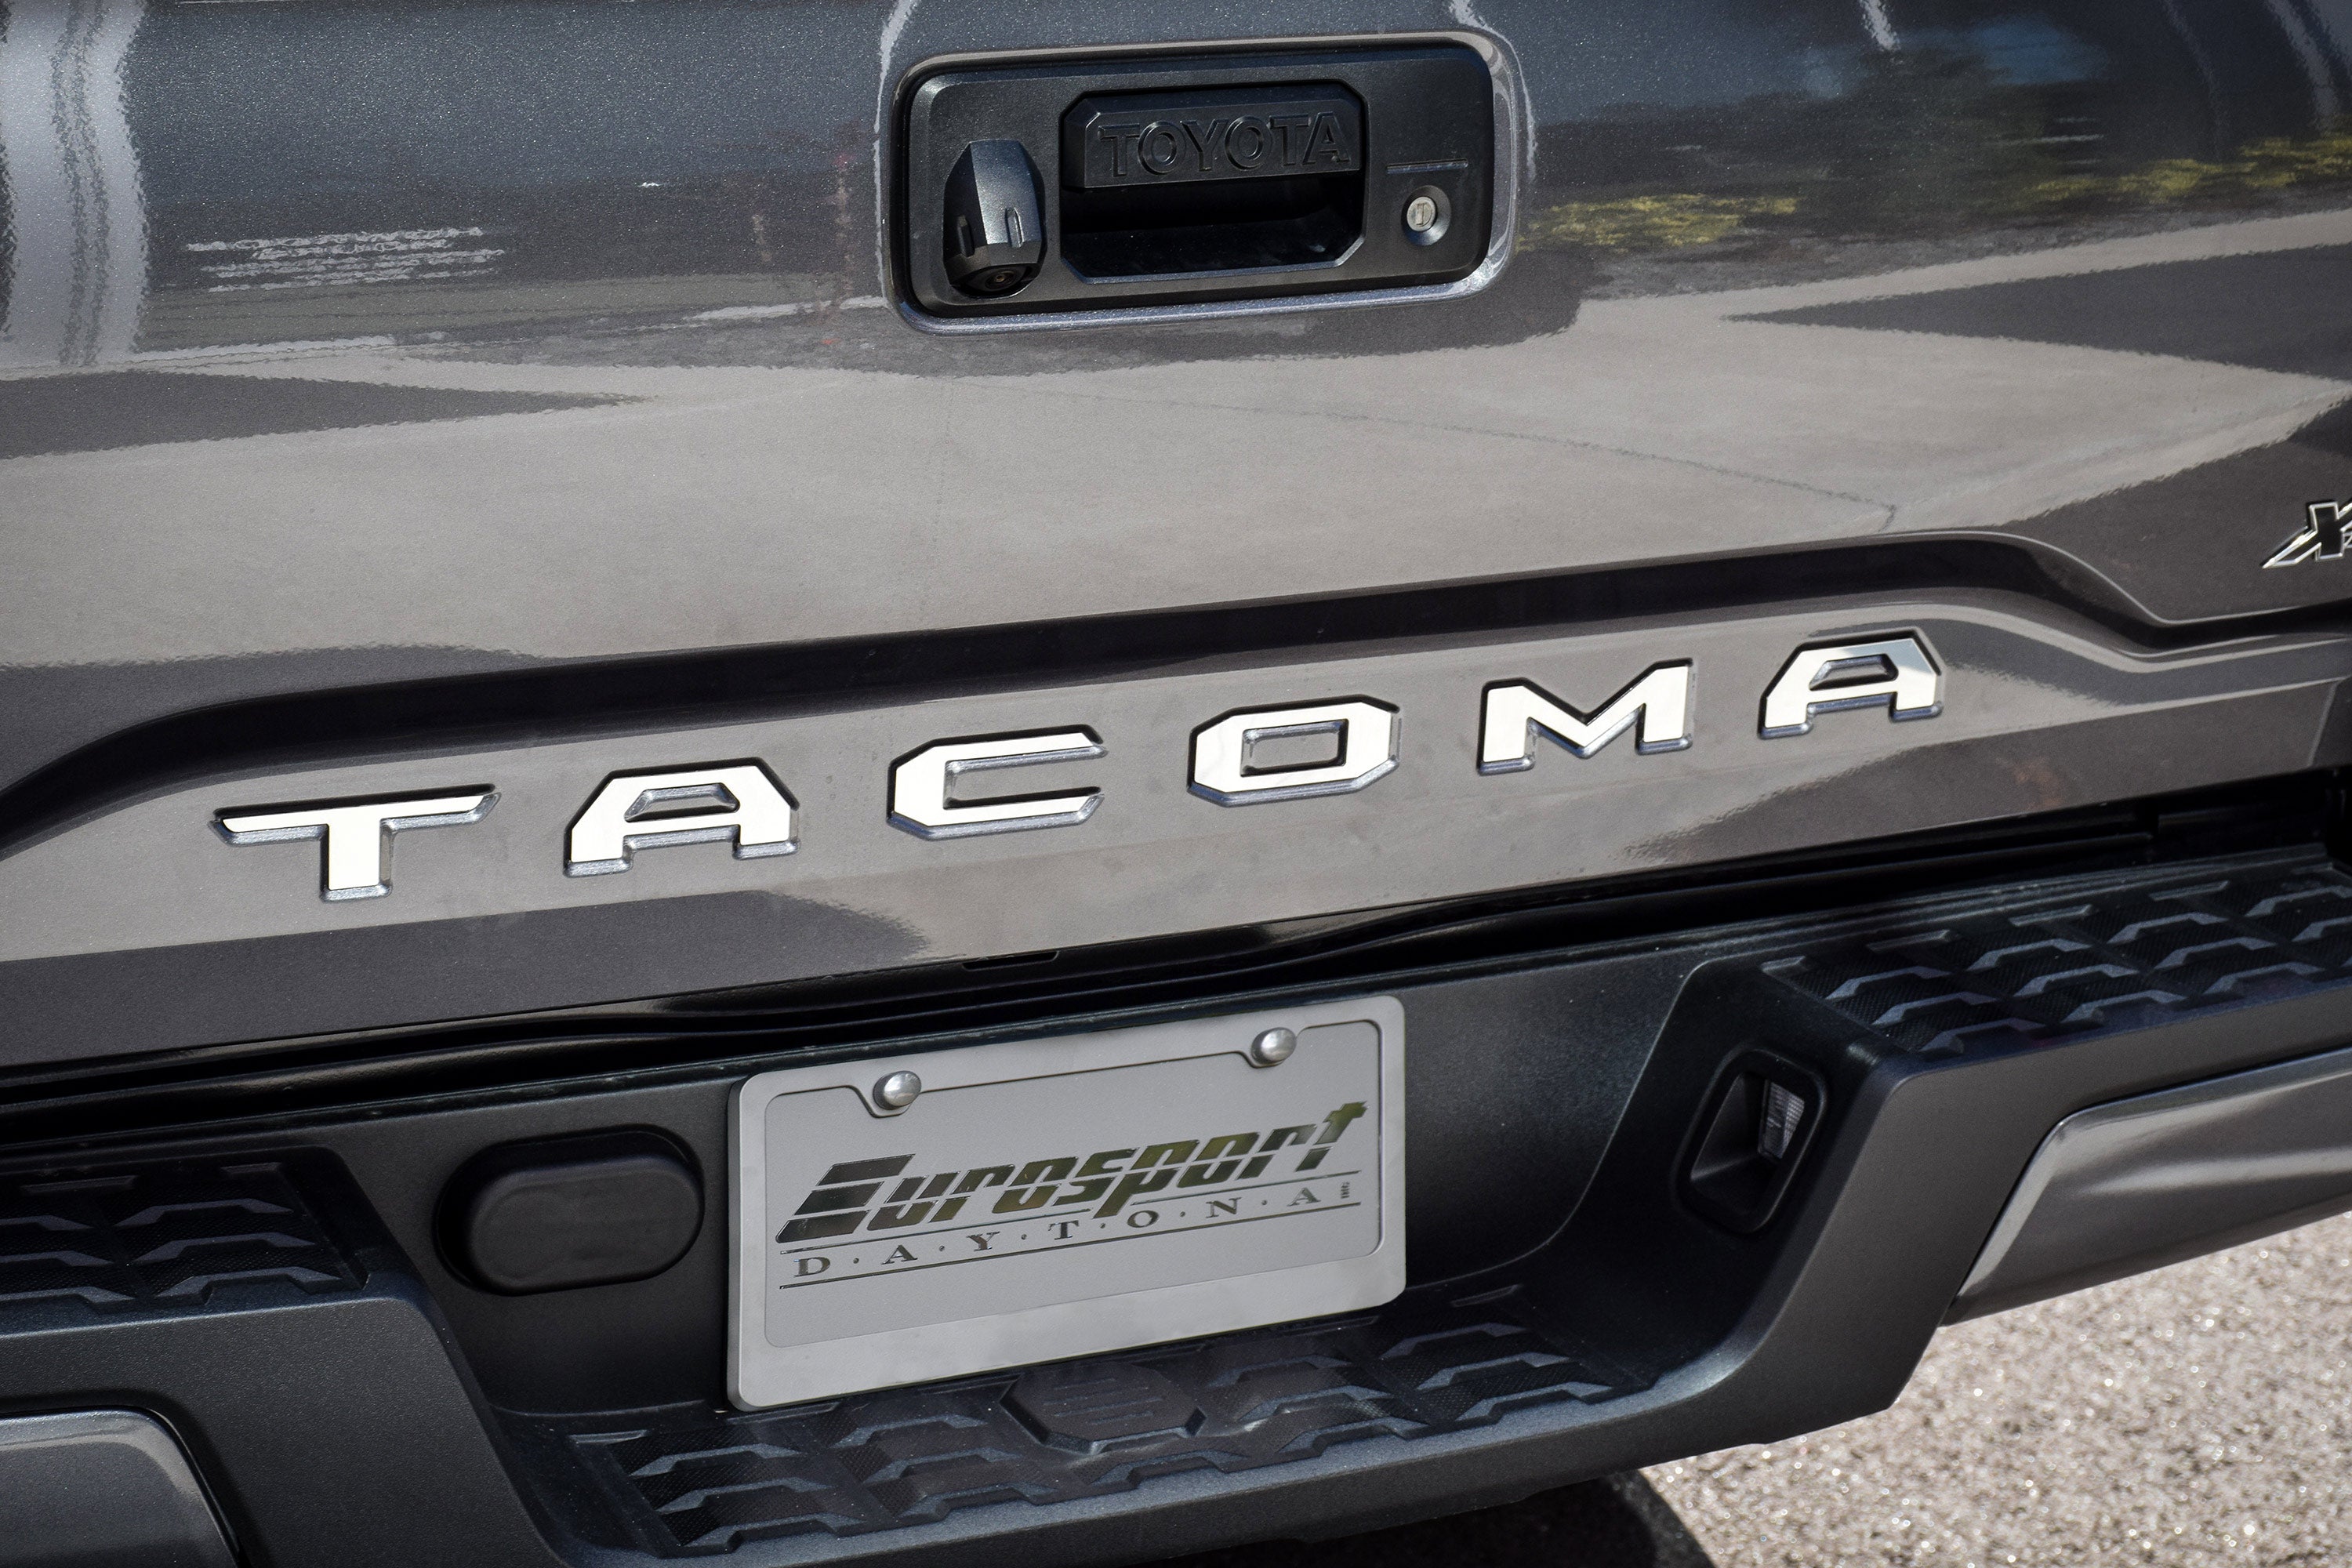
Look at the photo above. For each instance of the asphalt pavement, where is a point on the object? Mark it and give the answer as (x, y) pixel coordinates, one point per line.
(2196, 1416)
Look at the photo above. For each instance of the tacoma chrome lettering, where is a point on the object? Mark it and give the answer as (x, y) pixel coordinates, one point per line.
(356, 860)
(923, 785)
(1224, 768)
(692, 805)
(1895, 671)
(1515, 713)
(1248, 757)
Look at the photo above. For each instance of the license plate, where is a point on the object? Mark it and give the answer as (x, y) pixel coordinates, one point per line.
(1038, 1200)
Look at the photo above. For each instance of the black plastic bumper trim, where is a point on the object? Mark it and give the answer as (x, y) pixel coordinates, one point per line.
(314, 1381)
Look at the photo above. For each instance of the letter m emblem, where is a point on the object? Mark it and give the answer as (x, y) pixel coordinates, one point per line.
(1516, 714)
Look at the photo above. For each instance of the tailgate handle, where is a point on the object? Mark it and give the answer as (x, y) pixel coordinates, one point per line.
(1164, 185)
(1078, 185)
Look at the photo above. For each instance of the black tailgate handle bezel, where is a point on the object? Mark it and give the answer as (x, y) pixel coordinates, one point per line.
(1203, 177)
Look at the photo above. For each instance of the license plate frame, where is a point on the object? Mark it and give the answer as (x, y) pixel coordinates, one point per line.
(801, 1330)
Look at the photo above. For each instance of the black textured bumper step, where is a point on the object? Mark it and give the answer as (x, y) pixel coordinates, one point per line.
(1632, 1294)
(699, 1480)
(2069, 959)
(161, 1236)
(256, 1302)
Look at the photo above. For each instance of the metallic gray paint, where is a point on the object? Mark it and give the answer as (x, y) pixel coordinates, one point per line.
(554, 333)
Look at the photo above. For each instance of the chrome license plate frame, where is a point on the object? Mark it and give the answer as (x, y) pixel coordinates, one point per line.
(1119, 1188)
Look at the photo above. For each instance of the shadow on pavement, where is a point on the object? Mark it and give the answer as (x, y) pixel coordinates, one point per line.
(1614, 1522)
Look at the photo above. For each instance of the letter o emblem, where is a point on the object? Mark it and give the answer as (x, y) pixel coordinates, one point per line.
(1143, 1219)
(1224, 768)
(1159, 147)
(1245, 142)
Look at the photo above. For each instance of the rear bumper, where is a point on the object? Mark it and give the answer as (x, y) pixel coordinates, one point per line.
(2155, 1178)
(347, 1400)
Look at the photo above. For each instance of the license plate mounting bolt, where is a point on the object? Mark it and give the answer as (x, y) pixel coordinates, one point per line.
(897, 1091)
(1272, 1046)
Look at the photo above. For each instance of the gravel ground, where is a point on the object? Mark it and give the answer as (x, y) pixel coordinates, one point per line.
(2194, 1415)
